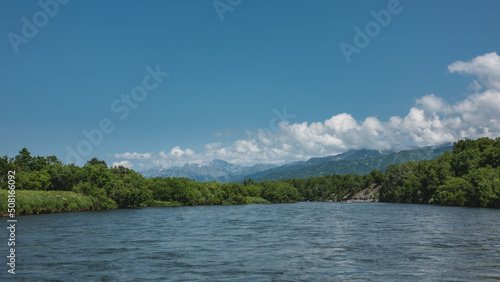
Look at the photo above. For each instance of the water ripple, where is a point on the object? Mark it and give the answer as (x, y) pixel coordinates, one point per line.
(282, 242)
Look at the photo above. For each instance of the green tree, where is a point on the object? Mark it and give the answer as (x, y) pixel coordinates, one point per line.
(279, 192)
(126, 195)
(253, 190)
(38, 163)
(464, 145)
(160, 188)
(99, 176)
(490, 156)
(34, 180)
(181, 190)
(465, 161)
(64, 177)
(127, 188)
(5, 166)
(248, 181)
(452, 193)
(96, 161)
(395, 177)
(217, 192)
(485, 187)
(378, 176)
(23, 159)
(101, 199)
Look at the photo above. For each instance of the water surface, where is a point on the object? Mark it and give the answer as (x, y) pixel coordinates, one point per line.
(281, 242)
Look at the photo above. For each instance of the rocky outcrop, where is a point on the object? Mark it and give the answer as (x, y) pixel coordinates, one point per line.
(369, 194)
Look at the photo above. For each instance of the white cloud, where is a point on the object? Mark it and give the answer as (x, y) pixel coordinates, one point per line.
(175, 157)
(133, 156)
(432, 105)
(431, 121)
(126, 164)
(342, 123)
(486, 68)
(176, 152)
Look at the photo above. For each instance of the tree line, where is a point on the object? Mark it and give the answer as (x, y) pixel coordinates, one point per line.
(122, 187)
(469, 175)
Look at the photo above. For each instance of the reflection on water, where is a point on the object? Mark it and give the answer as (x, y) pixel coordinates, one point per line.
(303, 241)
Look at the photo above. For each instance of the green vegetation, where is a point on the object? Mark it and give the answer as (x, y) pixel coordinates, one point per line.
(334, 187)
(360, 166)
(257, 200)
(44, 184)
(36, 202)
(155, 203)
(467, 176)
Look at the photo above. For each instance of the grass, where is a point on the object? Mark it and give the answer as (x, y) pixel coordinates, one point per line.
(249, 200)
(36, 202)
(155, 203)
(257, 200)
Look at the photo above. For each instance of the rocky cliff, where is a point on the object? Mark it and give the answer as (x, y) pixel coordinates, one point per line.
(369, 194)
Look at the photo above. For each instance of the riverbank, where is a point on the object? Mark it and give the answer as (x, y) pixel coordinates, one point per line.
(370, 194)
(39, 202)
(248, 201)
(30, 202)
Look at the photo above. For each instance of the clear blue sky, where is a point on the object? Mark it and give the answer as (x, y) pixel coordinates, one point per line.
(226, 76)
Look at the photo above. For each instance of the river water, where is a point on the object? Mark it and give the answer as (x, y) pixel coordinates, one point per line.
(275, 242)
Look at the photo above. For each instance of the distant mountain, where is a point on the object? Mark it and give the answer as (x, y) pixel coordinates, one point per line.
(353, 162)
(219, 170)
(350, 162)
(349, 155)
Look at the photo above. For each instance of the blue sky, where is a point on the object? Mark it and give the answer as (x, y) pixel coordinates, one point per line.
(229, 69)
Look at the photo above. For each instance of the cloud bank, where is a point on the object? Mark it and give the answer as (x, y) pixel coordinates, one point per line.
(431, 121)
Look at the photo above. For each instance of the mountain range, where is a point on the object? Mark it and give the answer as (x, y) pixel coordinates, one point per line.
(355, 166)
(351, 162)
(219, 170)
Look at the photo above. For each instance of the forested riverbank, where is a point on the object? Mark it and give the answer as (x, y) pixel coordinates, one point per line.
(44, 184)
(467, 176)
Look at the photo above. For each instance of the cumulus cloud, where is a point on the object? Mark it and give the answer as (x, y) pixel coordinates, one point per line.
(176, 157)
(431, 121)
(126, 164)
(486, 68)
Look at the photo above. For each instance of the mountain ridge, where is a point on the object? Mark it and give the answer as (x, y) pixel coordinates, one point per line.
(219, 170)
(358, 166)
(351, 162)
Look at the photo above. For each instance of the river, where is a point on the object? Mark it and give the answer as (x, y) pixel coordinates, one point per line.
(274, 242)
